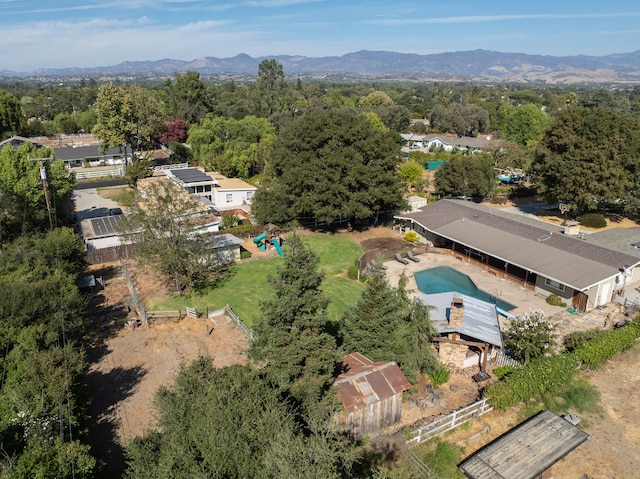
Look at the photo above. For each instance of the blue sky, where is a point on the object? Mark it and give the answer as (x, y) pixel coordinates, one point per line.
(66, 33)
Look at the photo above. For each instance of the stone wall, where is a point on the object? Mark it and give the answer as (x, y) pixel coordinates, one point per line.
(453, 355)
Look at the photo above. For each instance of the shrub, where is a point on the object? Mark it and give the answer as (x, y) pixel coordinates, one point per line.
(411, 236)
(245, 254)
(592, 220)
(577, 338)
(607, 344)
(530, 335)
(540, 376)
(502, 372)
(555, 300)
(439, 376)
(352, 272)
(498, 200)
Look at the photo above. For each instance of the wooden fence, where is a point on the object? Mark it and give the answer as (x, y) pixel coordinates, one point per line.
(99, 173)
(236, 319)
(169, 313)
(503, 360)
(451, 421)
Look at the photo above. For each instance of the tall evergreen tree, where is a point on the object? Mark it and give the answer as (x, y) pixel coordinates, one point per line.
(292, 336)
(386, 325)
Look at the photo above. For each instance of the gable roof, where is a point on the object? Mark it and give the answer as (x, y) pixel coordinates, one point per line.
(528, 243)
(17, 140)
(480, 320)
(527, 450)
(366, 382)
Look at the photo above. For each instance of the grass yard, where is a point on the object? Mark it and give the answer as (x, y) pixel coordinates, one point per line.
(248, 284)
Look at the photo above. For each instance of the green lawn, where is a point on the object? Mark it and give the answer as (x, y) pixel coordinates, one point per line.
(248, 285)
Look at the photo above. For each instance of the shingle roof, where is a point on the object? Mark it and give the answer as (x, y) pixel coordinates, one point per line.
(527, 450)
(366, 383)
(530, 244)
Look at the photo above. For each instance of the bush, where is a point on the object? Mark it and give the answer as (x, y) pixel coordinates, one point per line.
(542, 375)
(411, 236)
(245, 254)
(502, 372)
(352, 272)
(439, 376)
(530, 335)
(607, 344)
(498, 200)
(555, 300)
(592, 220)
(577, 338)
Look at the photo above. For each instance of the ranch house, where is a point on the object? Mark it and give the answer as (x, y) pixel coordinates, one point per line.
(547, 258)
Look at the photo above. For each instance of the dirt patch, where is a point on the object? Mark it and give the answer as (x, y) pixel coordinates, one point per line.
(127, 365)
(613, 220)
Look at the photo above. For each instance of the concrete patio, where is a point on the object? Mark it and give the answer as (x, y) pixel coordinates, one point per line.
(524, 298)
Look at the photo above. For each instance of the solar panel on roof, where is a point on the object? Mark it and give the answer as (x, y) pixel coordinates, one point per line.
(105, 226)
(190, 175)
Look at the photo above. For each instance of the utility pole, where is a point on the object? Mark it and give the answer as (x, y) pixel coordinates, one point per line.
(43, 176)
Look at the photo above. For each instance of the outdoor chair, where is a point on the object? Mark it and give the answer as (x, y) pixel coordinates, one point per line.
(411, 257)
(400, 259)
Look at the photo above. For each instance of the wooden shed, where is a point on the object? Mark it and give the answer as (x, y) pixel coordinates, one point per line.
(527, 451)
(371, 394)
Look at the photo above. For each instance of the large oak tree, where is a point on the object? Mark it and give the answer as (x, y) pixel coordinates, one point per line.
(589, 156)
(329, 165)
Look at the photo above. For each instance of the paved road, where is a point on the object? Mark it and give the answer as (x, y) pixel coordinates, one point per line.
(87, 185)
(89, 204)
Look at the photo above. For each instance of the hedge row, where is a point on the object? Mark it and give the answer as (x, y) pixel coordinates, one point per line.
(597, 350)
(552, 372)
(541, 375)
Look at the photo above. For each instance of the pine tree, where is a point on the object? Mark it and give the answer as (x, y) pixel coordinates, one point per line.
(292, 336)
(386, 325)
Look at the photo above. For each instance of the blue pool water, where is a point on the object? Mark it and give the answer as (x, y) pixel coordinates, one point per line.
(443, 279)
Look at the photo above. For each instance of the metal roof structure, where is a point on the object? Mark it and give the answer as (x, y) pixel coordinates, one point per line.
(223, 240)
(191, 175)
(527, 450)
(528, 243)
(480, 320)
(82, 152)
(365, 382)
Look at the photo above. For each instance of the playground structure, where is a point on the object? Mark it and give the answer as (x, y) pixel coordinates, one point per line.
(271, 235)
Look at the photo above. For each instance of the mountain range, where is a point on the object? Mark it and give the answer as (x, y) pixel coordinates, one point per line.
(476, 65)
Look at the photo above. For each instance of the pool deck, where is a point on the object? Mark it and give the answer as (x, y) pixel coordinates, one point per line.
(524, 299)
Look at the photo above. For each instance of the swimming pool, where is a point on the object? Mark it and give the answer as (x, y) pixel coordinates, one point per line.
(443, 279)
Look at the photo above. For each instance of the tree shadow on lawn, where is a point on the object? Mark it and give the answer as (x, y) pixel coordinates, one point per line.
(108, 389)
(204, 286)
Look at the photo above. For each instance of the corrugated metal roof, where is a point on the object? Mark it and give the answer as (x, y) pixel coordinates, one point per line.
(366, 383)
(531, 244)
(527, 450)
(480, 320)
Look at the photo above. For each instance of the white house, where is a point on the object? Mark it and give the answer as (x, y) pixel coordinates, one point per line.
(231, 193)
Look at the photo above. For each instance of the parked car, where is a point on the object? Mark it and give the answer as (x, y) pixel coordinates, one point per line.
(115, 211)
